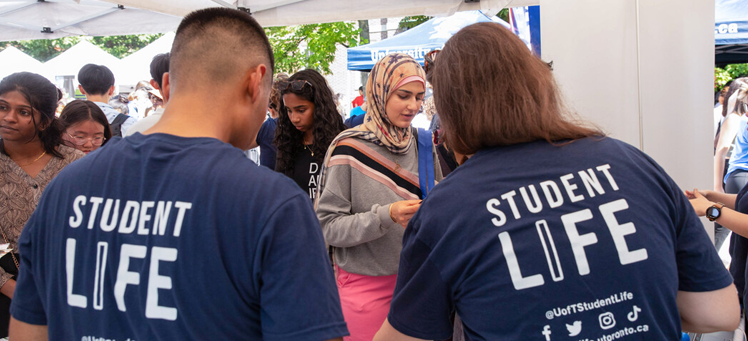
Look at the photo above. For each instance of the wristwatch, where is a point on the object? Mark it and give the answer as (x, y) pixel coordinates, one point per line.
(714, 211)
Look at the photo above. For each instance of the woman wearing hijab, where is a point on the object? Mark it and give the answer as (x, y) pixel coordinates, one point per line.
(370, 190)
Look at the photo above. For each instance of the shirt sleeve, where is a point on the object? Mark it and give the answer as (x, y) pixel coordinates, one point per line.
(27, 305)
(298, 295)
(422, 305)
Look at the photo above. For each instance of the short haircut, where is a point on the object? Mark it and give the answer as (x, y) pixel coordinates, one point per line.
(160, 66)
(214, 45)
(507, 97)
(95, 79)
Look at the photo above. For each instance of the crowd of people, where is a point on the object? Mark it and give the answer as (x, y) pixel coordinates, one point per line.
(509, 219)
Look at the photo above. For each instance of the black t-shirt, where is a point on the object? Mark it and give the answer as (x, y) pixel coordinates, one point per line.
(306, 170)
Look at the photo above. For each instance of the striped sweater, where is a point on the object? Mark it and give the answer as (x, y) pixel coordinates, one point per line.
(363, 179)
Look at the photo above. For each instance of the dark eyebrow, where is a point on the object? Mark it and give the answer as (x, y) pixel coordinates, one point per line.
(299, 107)
(410, 93)
(20, 106)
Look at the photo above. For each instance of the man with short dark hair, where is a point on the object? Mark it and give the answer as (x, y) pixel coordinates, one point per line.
(174, 234)
(159, 67)
(97, 83)
(358, 101)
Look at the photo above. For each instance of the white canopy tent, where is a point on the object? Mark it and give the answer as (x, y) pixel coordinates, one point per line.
(644, 77)
(73, 59)
(136, 67)
(42, 19)
(13, 60)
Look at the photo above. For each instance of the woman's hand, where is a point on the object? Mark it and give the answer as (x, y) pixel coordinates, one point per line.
(699, 202)
(402, 211)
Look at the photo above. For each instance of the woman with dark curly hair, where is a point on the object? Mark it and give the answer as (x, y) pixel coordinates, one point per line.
(307, 123)
(86, 126)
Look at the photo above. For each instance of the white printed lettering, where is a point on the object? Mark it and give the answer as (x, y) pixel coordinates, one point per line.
(183, 207)
(498, 213)
(124, 275)
(112, 224)
(125, 226)
(74, 300)
(144, 217)
(570, 188)
(515, 273)
(96, 201)
(605, 169)
(549, 186)
(579, 242)
(78, 219)
(619, 231)
(509, 197)
(98, 293)
(590, 181)
(537, 206)
(156, 282)
(162, 217)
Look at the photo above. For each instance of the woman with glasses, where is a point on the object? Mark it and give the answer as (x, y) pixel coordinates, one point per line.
(308, 121)
(549, 227)
(370, 189)
(31, 154)
(86, 126)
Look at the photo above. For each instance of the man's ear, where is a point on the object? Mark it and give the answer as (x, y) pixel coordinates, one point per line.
(154, 84)
(255, 79)
(80, 87)
(165, 85)
(111, 91)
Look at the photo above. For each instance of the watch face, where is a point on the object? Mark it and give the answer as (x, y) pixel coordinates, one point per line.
(712, 212)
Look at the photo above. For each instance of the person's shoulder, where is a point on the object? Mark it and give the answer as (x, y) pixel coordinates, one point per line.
(69, 154)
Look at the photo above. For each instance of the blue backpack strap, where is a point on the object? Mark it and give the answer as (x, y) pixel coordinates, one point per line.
(425, 161)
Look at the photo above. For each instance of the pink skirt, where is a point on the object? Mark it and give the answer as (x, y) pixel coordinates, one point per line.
(365, 301)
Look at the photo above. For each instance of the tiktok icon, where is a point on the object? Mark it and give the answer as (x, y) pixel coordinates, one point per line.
(547, 332)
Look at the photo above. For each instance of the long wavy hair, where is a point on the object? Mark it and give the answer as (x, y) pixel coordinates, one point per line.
(327, 121)
(42, 95)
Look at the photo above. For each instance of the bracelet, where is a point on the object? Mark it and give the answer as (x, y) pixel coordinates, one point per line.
(391, 217)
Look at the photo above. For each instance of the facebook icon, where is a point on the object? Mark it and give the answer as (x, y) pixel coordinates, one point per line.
(547, 332)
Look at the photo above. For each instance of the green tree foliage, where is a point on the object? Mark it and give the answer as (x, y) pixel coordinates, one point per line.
(118, 46)
(122, 46)
(412, 21)
(310, 46)
(43, 49)
(730, 72)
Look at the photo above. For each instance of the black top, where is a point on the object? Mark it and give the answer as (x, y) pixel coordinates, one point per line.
(306, 171)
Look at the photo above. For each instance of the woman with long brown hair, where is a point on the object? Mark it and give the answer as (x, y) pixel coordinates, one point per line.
(548, 227)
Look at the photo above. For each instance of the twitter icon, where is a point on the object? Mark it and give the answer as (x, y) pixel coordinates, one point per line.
(575, 328)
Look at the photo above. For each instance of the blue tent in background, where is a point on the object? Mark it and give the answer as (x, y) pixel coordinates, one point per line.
(417, 41)
(731, 32)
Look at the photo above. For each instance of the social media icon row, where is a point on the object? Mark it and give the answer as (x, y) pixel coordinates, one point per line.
(607, 321)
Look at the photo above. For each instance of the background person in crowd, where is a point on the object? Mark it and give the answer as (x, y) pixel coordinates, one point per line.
(359, 100)
(724, 148)
(210, 221)
(266, 135)
(587, 222)
(97, 83)
(357, 115)
(307, 123)
(85, 126)
(119, 103)
(31, 154)
(159, 68)
(370, 189)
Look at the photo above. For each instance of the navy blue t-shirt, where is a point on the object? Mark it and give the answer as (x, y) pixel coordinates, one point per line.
(160, 237)
(354, 121)
(587, 240)
(739, 249)
(265, 136)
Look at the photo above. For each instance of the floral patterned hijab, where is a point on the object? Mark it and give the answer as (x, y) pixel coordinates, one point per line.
(388, 75)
